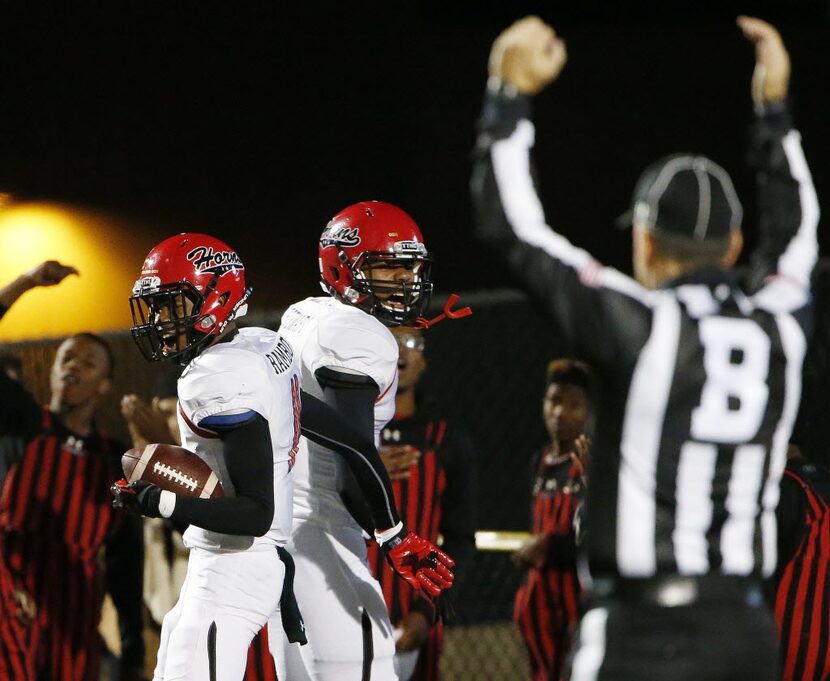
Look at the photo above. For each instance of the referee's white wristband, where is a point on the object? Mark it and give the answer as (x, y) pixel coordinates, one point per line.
(167, 503)
(386, 535)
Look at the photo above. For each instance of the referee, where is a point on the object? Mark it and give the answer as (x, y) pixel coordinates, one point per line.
(701, 380)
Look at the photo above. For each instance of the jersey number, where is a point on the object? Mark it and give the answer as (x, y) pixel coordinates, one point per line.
(731, 410)
(735, 393)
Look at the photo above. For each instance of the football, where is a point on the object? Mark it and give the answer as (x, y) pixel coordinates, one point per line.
(172, 468)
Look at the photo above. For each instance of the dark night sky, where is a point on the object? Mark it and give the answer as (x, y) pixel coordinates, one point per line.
(257, 122)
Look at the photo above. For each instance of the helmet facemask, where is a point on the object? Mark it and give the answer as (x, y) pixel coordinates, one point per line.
(165, 322)
(393, 302)
(190, 288)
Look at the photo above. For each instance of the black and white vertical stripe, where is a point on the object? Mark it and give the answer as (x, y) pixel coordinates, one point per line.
(706, 382)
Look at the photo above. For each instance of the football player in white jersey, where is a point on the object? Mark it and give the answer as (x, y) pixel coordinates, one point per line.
(239, 410)
(374, 267)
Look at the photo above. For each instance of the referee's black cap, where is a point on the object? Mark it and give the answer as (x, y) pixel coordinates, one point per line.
(685, 196)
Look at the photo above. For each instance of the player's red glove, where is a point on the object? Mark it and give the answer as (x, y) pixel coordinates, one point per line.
(419, 562)
(137, 497)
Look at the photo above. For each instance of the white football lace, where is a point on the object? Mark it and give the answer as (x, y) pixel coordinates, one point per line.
(175, 475)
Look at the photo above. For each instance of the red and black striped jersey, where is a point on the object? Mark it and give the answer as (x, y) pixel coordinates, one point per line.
(56, 521)
(16, 658)
(802, 598)
(547, 604)
(439, 497)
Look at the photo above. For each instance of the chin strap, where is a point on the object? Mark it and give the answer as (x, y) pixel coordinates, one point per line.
(448, 313)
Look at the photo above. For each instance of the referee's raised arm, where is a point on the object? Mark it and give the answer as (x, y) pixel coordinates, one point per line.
(586, 299)
(700, 376)
(788, 210)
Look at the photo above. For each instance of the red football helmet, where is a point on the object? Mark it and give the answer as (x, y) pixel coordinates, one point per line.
(191, 286)
(364, 238)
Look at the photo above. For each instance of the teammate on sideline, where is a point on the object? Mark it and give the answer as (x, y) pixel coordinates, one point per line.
(700, 381)
(240, 410)
(547, 603)
(434, 472)
(374, 267)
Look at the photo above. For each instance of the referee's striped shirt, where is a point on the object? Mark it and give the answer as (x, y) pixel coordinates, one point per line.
(701, 380)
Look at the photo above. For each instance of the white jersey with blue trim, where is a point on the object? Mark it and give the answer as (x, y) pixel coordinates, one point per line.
(328, 333)
(256, 371)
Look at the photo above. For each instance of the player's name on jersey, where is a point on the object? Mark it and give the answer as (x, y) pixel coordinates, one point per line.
(281, 357)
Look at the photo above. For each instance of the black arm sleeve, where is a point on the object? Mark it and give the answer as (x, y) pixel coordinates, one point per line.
(791, 516)
(352, 396)
(250, 462)
(777, 191)
(124, 559)
(20, 414)
(459, 504)
(333, 425)
(562, 550)
(459, 511)
(600, 313)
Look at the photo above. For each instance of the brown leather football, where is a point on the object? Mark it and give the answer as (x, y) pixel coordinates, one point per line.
(172, 468)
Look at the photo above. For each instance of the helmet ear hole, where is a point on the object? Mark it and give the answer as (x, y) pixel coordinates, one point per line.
(224, 298)
(334, 273)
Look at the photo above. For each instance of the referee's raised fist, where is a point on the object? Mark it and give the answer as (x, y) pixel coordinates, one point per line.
(528, 55)
(771, 78)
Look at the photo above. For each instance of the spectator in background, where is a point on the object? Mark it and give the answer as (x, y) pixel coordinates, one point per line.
(165, 562)
(56, 516)
(802, 581)
(434, 475)
(156, 421)
(11, 366)
(547, 604)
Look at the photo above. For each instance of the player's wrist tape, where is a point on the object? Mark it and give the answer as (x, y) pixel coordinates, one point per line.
(383, 537)
(167, 503)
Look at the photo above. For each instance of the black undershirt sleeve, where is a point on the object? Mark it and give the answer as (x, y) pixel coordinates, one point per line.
(124, 560)
(249, 459)
(20, 422)
(459, 512)
(352, 396)
(791, 516)
(344, 423)
(20, 414)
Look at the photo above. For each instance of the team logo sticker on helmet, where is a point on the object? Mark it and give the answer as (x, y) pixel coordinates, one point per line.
(340, 236)
(207, 260)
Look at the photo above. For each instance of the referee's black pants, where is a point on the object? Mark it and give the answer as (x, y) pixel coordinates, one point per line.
(724, 636)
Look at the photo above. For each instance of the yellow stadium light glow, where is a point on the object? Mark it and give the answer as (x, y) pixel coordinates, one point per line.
(105, 252)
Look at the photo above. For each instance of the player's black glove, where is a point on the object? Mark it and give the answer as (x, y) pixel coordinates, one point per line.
(419, 562)
(136, 497)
